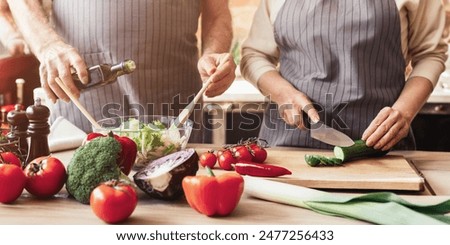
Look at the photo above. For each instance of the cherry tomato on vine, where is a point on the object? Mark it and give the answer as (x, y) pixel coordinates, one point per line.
(219, 153)
(113, 201)
(259, 153)
(208, 159)
(241, 153)
(12, 182)
(45, 176)
(226, 159)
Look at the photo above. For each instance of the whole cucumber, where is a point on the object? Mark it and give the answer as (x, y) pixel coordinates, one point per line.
(358, 150)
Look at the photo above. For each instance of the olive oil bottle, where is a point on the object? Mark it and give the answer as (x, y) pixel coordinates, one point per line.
(103, 74)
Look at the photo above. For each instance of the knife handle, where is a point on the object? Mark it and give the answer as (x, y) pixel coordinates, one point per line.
(306, 120)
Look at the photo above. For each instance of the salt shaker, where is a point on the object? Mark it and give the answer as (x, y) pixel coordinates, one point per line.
(18, 121)
(19, 84)
(38, 130)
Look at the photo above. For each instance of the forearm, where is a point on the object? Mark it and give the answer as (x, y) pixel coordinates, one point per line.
(57, 58)
(290, 100)
(273, 85)
(7, 26)
(259, 51)
(216, 27)
(413, 96)
(426, 46)
(30, 17)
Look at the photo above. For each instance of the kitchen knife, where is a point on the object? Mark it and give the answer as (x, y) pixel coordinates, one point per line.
(329, 135)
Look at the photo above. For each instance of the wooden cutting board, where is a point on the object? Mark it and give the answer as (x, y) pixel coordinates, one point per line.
(391, 172)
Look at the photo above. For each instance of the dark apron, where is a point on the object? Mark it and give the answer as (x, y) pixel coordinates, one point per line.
(346, 56)
(160, 36)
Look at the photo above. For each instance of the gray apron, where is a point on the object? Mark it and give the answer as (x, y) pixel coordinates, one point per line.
(160, 36)
(346, 56)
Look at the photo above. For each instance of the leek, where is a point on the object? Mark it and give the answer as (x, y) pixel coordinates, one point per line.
(378, 208)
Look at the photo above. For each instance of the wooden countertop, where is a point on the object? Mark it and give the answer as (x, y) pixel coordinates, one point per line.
(435, 166)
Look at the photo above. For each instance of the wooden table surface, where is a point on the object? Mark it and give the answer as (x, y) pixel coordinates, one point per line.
(435, 166)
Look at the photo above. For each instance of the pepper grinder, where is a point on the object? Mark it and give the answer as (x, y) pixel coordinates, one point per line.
(18, 121)
(38, 130)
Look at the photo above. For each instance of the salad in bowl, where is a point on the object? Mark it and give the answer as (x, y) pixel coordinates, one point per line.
(155, 135)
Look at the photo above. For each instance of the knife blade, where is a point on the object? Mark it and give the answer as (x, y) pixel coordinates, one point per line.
(329, 135)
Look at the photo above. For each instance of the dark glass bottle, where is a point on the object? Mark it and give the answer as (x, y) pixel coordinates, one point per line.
(100, 75)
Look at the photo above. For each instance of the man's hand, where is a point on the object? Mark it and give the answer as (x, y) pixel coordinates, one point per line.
(220, 68)
(57, 60)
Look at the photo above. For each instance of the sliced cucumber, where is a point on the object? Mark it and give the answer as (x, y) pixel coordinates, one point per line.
(318, 160)
(358, 150)
(344, 154)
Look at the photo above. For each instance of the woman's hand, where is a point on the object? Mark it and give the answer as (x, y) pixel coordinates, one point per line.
(59, 59)
(291, 102)
(220, 68)
(292, 106)
(387, 129)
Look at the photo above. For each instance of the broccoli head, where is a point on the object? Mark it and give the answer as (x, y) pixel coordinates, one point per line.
(92, 164)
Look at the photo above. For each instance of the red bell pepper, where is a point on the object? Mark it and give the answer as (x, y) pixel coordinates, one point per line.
(211, 195)
(128, 153)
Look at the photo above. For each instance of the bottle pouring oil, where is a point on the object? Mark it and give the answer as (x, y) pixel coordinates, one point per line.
(103, 74)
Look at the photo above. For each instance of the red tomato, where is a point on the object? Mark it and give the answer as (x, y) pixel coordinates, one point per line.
(9, 157)
(208, 159)
(219, 153)
(241, 153)
(259, 153)
(12, 182)
(45, 176)
(226, 160)
(113, 201)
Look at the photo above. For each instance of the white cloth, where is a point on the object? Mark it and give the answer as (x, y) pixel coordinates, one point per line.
(64, 135)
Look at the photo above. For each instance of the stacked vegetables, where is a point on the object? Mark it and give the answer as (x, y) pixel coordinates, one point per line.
(97, 174)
